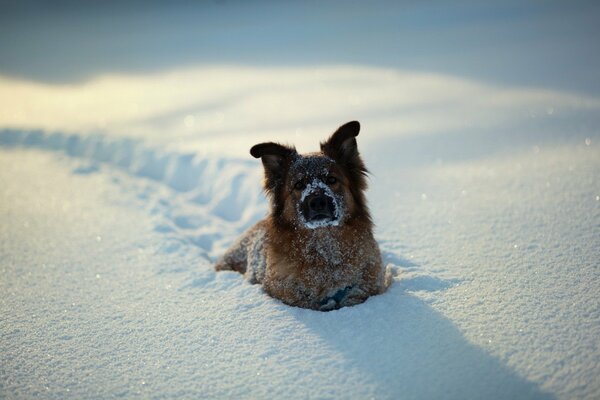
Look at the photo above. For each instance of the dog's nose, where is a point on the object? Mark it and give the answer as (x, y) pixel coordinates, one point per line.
(317, 203)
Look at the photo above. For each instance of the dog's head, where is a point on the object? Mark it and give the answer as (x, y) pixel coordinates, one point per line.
(318, 189)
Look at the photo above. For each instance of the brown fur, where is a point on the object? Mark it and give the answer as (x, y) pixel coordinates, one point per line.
(321, 268)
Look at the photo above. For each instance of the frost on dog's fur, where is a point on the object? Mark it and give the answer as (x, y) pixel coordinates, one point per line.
(247, 255)
(316, 248)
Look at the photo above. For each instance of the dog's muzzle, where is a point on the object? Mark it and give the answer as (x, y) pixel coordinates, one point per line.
(318, 207)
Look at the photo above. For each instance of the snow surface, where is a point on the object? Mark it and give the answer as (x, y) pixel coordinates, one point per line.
(119, 191)
(109, 288)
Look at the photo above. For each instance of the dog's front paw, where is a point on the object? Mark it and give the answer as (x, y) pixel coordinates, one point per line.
(328, 304)
(347, 296)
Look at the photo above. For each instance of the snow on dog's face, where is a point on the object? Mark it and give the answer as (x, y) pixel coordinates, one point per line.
(316, 190)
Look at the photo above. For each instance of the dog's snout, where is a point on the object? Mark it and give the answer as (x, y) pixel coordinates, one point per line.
(318, 203)
(318, 206)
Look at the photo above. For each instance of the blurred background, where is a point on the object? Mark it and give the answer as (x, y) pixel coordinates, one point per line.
(220, 76)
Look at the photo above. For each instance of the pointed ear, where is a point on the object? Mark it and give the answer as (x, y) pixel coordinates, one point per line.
(341, 146)
(276, 159)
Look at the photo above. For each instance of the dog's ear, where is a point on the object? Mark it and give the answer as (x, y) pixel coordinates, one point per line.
(276, 159)
(341, 146)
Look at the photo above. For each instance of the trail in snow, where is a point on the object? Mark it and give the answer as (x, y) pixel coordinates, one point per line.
(204, 200)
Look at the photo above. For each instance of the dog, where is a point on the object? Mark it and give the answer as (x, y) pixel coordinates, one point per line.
(316, 248)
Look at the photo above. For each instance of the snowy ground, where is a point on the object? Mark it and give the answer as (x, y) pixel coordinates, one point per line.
(110, 292)
(118, 192)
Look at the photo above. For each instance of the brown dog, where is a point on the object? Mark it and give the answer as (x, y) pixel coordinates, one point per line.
(316, 248)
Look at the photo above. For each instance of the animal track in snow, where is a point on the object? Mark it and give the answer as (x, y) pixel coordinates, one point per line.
(196, 201)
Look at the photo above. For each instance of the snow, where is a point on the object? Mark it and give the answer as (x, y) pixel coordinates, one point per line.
(109, 287)
(118, 192)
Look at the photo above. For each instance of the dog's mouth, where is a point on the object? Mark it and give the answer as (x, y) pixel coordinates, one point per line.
(318, 208)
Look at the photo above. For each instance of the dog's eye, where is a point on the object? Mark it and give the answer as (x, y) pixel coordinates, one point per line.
(331, 180)
(299, 185)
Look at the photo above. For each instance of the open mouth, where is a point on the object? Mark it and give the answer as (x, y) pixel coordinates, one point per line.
(319, 208)
(321, 217)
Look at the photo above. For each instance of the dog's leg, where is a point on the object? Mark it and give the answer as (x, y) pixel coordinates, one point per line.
(235, 258)
(246, 255)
